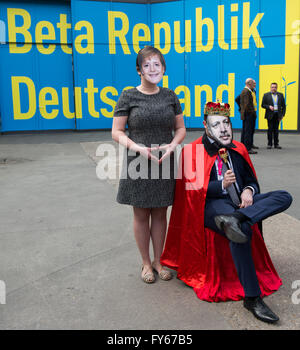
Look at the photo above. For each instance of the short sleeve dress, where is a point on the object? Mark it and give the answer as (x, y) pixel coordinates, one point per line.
(151, 122)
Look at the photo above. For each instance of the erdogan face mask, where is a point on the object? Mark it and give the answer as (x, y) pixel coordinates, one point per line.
(219, 128)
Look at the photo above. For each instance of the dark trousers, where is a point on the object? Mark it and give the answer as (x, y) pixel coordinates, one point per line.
(248, 130)
(273, 125)
(264, 206)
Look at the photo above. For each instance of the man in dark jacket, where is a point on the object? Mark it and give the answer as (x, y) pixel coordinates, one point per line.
(248, 115)
(274, 104)
(227, 200)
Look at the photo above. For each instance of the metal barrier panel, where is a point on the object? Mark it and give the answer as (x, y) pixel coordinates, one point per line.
(210, 48)
(36, 79)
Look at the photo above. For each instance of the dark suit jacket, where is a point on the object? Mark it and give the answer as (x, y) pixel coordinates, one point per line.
(268, 101)
(246, 101)
(243, 173)
(238, 101)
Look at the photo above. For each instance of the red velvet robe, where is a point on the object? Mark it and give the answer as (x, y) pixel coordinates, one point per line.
(202, 257)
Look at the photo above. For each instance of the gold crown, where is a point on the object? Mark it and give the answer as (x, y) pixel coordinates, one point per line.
(217, 108)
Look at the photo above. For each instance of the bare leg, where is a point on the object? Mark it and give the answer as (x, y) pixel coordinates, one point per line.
(158, 234)
(141, 229)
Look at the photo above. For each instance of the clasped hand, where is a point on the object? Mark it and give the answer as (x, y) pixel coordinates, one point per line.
(147, 152)
(246, 195)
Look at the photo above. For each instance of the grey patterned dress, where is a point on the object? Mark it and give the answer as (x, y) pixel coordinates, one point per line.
(151, 122)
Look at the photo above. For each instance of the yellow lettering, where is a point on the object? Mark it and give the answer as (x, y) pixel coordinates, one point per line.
(89, 37)
(64, 26)
(157, 28)
(186, 99)
(128, 87)
(15, 88)
(221, 28)
(208, 97)
(43, 102)
(13, 30)
(136, 38)
(230, 90)
(91, 90)
(210, 31)
(107, 100)
(165, 81)
(234, 27)
(188, 37)
(66, 104)
(113, 33)
(251, 30)
(39, 37)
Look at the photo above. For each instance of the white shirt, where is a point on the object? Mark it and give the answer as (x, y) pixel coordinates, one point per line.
(275, 101)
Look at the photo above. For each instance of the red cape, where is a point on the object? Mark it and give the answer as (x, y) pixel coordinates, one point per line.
(202, 257)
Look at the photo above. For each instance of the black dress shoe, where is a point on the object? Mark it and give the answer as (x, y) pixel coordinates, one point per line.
(260, 310)
(231, 226)
(255, 147)
(278, 147)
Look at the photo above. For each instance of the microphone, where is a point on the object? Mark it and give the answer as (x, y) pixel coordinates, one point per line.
(224, 156)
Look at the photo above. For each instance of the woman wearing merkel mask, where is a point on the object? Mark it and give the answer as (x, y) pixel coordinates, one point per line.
(155, 123)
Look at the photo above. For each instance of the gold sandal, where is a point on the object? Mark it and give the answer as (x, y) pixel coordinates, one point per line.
(164, 275)
(148, 277)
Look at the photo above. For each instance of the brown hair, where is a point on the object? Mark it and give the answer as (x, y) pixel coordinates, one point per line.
(146, 52)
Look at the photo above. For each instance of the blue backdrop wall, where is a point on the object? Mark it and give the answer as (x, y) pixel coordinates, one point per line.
(64, 64)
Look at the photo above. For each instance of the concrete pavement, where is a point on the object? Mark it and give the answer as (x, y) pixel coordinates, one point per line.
(68, 256)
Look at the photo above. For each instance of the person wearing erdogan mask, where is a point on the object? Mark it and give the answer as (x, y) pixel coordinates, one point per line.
(227, 201)
(155, 123)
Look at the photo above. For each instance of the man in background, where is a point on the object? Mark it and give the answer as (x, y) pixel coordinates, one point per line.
(255, 108)
(274, 104)
(248, 114)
